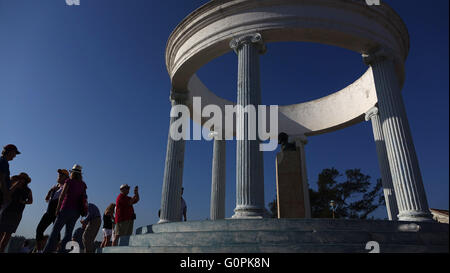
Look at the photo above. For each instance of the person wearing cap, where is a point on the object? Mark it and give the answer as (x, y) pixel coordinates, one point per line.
(68, 209)
(52, 198)
(125, 213)
(8, 154)
(11, 216)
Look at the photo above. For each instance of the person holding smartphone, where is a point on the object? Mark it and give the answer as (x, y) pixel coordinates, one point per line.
(125, 215)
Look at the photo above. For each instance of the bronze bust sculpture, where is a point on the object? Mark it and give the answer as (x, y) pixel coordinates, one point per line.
(283, 139)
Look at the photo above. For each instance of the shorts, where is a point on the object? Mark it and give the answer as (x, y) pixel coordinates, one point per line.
(124, 228)
(107, 232)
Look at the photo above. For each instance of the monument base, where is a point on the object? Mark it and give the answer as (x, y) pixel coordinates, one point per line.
(290, 185)
(270, 235)
(248, 212)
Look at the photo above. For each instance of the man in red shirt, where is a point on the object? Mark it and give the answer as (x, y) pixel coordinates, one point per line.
(125, 213)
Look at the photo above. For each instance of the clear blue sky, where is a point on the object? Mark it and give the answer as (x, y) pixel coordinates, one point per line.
(88, 85)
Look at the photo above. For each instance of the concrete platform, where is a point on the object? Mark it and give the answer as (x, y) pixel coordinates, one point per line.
(286, 236)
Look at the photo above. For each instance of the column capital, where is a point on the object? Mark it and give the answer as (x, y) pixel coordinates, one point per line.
(253, 38)
(378, 55)
(372, 112)
(177, 97)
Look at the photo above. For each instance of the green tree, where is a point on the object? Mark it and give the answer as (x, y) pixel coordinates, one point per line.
(354, 197)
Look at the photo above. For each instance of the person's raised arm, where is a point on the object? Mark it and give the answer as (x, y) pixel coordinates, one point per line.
(135, 198)
(61, 197)
(49, 194)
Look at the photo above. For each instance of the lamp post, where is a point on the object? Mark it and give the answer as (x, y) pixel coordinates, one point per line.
(333, 207)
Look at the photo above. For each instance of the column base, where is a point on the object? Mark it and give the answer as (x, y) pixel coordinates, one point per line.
(415, 216)
(163, 221)
(248, 212)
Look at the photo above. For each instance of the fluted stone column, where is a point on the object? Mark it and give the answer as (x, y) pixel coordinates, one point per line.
(383, 162)
(217, 210)
(300, 142)
(173, 171)
(249, 159)
(404, 166)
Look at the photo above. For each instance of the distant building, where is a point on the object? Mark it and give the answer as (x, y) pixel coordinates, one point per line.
(440, 215)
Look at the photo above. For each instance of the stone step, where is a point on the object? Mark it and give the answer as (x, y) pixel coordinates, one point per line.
(216, 238)
(286, 236)
(304, 248)
(293, 224)
(424, 238)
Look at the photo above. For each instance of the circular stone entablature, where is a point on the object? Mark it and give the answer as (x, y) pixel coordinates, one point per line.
(205, 34)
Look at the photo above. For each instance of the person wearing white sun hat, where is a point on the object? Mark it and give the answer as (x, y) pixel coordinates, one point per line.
(68, 210)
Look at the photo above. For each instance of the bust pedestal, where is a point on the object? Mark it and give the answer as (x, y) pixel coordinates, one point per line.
(290, 190)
